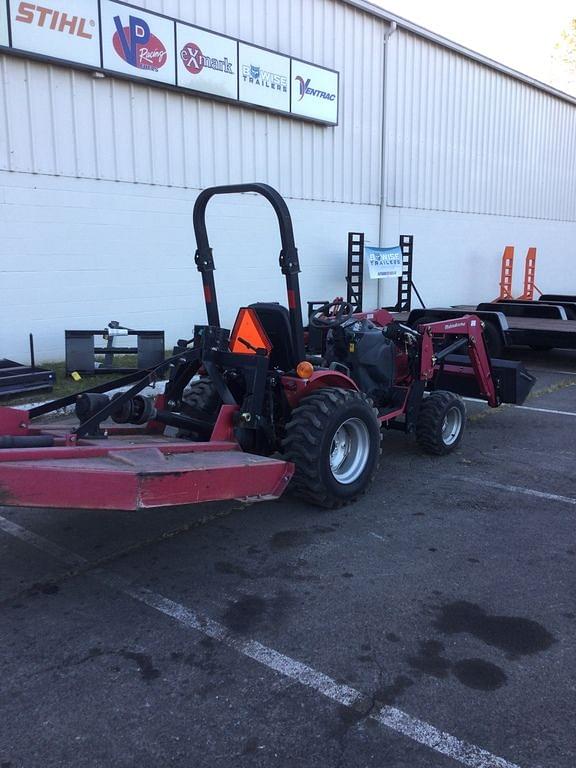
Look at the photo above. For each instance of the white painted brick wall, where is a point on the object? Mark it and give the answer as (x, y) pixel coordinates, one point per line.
(77, 253)
(458, 255)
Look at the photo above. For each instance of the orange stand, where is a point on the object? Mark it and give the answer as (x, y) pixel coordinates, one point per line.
(506, 274)
(530, 276)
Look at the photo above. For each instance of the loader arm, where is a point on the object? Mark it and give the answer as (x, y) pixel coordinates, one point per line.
(469, 328)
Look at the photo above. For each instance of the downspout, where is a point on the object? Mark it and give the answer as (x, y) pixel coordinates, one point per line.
(387, 36)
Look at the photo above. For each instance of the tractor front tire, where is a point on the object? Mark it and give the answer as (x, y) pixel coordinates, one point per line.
(441, 423)
(333, 438)
(201, 396)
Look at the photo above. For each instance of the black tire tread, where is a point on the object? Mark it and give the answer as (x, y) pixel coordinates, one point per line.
(431, 411)
(301, 445)
(202, 396)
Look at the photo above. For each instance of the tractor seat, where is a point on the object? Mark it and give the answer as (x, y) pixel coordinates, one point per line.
(275, 320)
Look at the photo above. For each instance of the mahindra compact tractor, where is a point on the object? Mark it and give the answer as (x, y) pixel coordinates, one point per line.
(247, 413)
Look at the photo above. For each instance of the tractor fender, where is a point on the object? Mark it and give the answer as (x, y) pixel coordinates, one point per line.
(296, 388)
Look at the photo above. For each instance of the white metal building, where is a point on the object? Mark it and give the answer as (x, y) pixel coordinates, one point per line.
(98, 173)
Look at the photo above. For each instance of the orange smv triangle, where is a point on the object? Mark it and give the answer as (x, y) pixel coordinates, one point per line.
(248, 335)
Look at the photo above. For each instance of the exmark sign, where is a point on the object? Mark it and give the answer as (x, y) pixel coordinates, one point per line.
(314, 92)
(206, 62)
(137, 43)
(63, 29)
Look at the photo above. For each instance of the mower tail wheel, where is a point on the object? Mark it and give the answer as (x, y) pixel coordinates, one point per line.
(333, 438)
(441, 423)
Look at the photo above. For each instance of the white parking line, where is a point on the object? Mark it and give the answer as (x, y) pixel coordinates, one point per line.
(524, 407)
(516, 489)
(545, 410)
(550, 370)
(391, 717)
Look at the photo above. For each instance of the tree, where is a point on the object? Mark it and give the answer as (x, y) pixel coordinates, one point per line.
(566, 51)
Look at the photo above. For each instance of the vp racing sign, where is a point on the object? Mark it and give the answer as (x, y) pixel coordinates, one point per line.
(118, 37)
(137, 43)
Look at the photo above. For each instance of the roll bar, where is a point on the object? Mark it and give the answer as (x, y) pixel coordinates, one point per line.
(288, 255)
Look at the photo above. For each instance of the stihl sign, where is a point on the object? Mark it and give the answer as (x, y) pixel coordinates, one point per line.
(29, 13)
(63, 29)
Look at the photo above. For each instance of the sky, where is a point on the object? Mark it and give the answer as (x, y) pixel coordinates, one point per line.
(521, 35)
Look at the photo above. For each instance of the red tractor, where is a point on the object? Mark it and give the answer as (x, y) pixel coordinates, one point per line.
(248, 412)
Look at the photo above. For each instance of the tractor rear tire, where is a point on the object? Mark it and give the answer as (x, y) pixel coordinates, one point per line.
(333, 438)
(424, 320)
(441, 423)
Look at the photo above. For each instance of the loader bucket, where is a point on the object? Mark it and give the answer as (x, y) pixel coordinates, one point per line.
(132, 477)
(513, 381)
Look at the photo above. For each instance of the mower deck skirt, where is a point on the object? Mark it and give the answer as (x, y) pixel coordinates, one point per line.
(139, 478)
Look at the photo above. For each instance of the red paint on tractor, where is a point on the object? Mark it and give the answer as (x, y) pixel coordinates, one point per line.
(130, 477)
(296, 388)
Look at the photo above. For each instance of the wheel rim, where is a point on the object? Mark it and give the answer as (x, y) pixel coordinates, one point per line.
(349, 451)
(451, 426)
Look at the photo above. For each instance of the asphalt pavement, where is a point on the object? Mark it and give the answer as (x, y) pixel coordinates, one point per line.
(432, 623)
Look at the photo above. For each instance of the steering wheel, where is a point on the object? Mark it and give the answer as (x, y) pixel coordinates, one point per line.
(333, 315)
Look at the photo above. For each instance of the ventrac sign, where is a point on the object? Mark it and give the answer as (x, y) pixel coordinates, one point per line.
(118, 37)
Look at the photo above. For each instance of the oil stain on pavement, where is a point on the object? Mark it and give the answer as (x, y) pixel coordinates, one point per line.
(514, 635)
(473, 673)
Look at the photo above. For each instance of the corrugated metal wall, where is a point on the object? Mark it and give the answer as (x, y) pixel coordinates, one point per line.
(463, 137)
(56, 121)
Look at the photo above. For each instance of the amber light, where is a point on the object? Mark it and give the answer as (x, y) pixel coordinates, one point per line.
(304, 369)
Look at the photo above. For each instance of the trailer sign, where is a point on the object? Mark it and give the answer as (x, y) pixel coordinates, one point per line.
(264, 78)
(384, 262)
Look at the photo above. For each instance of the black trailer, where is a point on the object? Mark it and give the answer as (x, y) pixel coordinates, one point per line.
(549, 323)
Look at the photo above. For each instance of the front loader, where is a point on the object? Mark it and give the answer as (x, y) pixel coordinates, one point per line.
(247, 413)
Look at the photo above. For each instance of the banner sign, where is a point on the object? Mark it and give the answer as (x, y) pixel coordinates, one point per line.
(117, 37)
(206, 62)
(70, 31)
(314, 92)
(384, 262)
